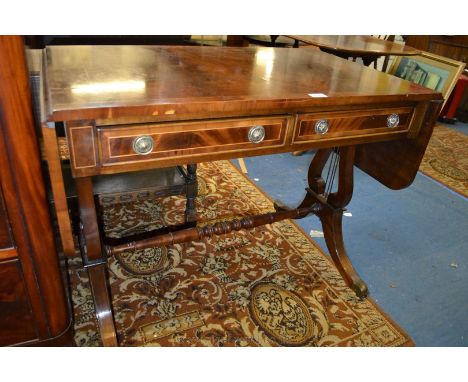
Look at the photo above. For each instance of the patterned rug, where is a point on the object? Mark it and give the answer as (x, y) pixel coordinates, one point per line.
(269, 286)
(446, 159)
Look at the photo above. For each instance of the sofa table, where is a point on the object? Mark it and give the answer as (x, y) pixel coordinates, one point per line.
(134, 108)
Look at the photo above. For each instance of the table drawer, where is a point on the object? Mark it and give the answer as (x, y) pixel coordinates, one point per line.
(319, 126)
(165, 140)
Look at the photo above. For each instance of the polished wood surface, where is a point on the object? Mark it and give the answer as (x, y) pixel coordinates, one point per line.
(16, 321)
(50, 149)
(58, 190)
(173, 84)
(102, 302)
(82, 146)
(332, 208)
(26, 203)
(8, 254)
(200, 103)
(357, 45)
(396, 163)
(94, 262)
(5, 234)
(90, 230)
(220, 228)
(165, 83)
(99, 150)
(188, 139)
(346, 124)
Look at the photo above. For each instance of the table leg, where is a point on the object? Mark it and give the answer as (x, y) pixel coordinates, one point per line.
(58, 190)
(95, 261)
(191, 193)
(332, 212)
(329, 208)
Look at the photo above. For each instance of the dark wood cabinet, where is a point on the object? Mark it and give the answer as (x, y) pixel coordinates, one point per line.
(33, 303)
(455, 47)
(5, 233)
(16, 321)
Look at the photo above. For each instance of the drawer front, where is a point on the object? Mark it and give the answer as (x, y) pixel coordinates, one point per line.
(319, 126)
(166, 140)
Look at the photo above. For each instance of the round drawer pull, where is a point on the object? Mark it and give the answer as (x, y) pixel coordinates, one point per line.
(393, 120)
(321, 127)
(143, 145)
(256, 134)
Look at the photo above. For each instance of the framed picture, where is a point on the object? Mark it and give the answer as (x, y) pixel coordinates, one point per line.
(430, 70)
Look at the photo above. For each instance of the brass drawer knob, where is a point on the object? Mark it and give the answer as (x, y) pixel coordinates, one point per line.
(256, 134)
(393, 120)
(143, 145)
(321, 126)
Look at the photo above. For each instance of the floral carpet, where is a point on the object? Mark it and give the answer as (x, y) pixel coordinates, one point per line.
(268, 286)
(446, 159)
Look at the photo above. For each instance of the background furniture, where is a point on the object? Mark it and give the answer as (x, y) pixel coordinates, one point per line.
(368, 48)
(390, 38)
(455, 47)
(33, 303)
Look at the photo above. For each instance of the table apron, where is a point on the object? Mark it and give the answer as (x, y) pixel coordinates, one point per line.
(111, 149)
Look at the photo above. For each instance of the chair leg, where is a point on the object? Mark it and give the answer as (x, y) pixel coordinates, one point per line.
(385, 64)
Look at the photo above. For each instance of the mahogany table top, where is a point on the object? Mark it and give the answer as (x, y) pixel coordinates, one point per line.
(117, 81)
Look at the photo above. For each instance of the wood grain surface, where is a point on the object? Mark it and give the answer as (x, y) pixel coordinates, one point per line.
(27, 208)
(89, 82)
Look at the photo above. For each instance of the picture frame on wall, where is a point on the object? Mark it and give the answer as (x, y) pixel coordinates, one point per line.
(430, 70)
